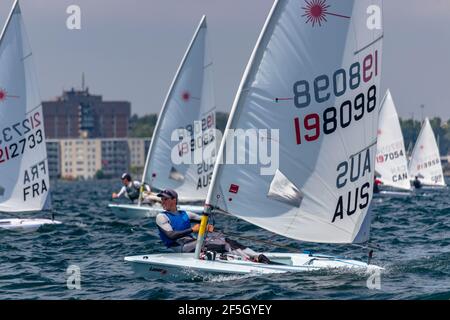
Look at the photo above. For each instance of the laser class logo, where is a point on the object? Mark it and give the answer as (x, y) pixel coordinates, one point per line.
(186, 96)
(316, 12)
(4, 95)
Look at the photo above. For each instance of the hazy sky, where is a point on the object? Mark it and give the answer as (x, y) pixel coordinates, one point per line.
(130, 49)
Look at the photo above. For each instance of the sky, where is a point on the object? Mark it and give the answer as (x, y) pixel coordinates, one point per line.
(131, 49)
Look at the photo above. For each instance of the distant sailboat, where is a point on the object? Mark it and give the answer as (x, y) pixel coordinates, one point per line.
(189, 100)
(425, 159)
(314, 77)
(24, 184)
(391, 162)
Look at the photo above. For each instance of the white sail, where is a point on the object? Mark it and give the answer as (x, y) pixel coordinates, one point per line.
(425, 159)
(24, 182)
(190, 99)
(314, 75)
(391, 163)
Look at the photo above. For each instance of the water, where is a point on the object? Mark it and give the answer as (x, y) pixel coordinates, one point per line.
(413, 235)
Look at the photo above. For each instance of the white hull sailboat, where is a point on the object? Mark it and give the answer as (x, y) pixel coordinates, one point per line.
(314, 79)
(24, 183)
(425, 160)
(189, 105)
(30, 225)
(393, 193)
(391, 162)
(184, 266)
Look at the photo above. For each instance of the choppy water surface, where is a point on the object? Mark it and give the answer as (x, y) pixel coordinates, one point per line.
(413, 236)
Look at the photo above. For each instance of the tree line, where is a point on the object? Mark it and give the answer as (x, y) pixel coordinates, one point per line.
(143, 127)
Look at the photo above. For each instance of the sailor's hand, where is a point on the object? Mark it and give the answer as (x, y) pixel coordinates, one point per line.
(114, 195)
(152, 196)
(196, 227)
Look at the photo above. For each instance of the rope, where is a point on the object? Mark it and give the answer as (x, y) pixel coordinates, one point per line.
(290, 248)
(377, 247)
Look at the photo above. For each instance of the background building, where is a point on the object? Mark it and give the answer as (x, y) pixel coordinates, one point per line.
(138, 151)
(96, 158)
(80, 114)
(53, 157)
(115, 157)
(88, 138)
(80, 158)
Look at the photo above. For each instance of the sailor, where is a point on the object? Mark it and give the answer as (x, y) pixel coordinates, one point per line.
(417, 184)
(175, 231)
(376, 185)
(174, 225)
(130, 189)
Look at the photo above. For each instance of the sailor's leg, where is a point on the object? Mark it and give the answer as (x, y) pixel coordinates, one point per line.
(188, 246)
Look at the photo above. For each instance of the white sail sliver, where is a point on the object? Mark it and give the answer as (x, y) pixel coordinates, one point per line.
(23, 156)
(314, 76)
(425, 159)
(189, 100)
(391, 162)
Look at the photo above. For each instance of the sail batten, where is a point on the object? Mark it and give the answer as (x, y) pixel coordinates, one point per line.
(318, 85)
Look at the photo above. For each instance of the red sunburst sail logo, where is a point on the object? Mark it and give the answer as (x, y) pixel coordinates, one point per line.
(3, 95)
(316, 12)
(186, 96)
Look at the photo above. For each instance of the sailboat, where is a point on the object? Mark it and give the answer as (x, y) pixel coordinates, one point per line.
(391, 163)
(24, 184)
(314, 78)
(425, 160)
(189, 105)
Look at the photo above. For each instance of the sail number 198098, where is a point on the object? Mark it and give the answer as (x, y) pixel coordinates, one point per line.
(313, 125)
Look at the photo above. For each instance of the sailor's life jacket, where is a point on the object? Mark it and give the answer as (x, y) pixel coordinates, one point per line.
(133, 192)
(179, 222)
